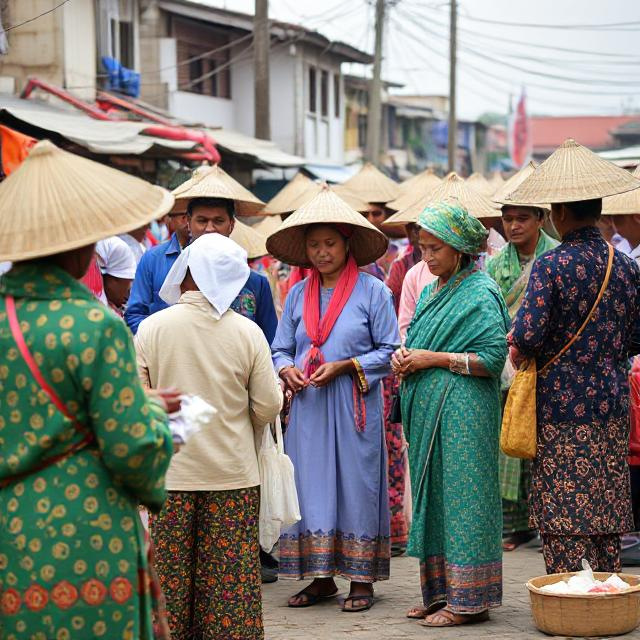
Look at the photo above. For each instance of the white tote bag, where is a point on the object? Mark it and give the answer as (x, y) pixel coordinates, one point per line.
(279, 508)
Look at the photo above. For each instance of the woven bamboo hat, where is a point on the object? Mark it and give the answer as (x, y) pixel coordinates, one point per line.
(415, 188)
(251, 240)
(366, 244)
(453, 186)
(572, 173)
(478, 182)
(496, 181)
(57, 201)
(312, 189)
(372, 185)
(624, 204)
(214, 182)
(283, 201)
(267, 225)
(427, 174)
(500, 196)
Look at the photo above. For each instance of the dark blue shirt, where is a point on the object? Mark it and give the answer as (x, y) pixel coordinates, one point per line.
(254, 300)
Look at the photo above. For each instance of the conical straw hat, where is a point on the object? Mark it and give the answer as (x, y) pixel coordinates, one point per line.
(414, 189)
(283, 201)
(372, 185)
(57, 201)
(309, 191)
(478, 182)
(252, 241)
(453, 186)
(425, 178)
(500, 196)
(572, 173)
(287, 244)
(214, 182)
(624, 204)
(267, 225)
(496, 181)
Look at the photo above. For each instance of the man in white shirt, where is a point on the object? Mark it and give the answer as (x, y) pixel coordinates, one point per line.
(628, 226)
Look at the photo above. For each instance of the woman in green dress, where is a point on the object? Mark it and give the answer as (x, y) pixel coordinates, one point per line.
(455, 351)
(81, 445)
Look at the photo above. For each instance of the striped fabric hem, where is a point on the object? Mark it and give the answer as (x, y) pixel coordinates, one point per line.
(465, 588)
(334, 553)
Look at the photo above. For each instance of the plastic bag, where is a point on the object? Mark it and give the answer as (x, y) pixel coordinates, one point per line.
(584, 582)
(195, 413)
(507, 375)
(279, 508)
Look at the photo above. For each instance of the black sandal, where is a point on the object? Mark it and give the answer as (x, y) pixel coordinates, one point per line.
(370, 600)
(311, 598)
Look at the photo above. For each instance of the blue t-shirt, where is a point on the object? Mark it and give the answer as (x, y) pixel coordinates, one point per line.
(254, 300)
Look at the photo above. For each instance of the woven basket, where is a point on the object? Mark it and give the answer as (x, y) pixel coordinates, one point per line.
(588, 615)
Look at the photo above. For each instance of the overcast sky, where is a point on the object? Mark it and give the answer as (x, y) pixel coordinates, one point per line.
(567, 70)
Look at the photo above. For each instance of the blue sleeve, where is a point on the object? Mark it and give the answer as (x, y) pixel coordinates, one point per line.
(375, 365)
(141, 297)
(266, 317)
(283, 349)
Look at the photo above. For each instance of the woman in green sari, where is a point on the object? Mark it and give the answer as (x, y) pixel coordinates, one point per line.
(455, 351)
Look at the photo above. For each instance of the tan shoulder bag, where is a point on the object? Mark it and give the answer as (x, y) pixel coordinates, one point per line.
(518, 437)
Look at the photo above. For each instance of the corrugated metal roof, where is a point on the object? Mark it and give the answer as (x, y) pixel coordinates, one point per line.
(99, 136)
(263, 151)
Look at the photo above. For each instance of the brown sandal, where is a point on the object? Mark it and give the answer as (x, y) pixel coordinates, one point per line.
(420, 613)
(310, 598)
(453, 619)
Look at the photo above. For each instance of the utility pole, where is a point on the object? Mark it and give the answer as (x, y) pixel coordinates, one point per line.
(374, 121)
(261, 44)
(453, 125)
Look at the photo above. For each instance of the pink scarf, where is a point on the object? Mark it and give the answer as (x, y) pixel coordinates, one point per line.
(319, 329)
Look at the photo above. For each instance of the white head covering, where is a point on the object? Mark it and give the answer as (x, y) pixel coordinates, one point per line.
(115, 258)
(217, 265)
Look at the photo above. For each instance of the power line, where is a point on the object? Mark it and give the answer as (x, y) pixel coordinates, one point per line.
(536, 45)
(550, 76)
(483, 73)
(620, 26)
(44, 13)
(613, 26)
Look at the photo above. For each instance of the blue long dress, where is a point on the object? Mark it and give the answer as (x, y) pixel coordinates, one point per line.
(341, 472)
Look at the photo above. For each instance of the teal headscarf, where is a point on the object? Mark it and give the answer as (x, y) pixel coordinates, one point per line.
(455, 226)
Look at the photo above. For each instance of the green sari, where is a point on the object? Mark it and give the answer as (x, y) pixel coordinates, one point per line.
(505, 268)
(452, 424)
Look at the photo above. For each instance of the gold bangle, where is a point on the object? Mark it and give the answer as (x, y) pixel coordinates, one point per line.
(457, 363)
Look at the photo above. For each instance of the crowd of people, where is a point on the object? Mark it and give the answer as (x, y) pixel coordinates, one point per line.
(384, 338)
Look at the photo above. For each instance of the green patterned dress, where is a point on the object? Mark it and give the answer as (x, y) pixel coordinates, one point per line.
(452, 424)
(72, 560)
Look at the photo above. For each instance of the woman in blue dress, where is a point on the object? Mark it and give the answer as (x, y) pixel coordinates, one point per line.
(332, 350)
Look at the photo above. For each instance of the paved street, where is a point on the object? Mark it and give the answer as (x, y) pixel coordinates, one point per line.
(386, 620)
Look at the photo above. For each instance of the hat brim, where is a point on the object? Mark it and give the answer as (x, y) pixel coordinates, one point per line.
(288, 243)
(57, 201)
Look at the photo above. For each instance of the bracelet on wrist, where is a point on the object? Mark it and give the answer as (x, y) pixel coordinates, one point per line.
(459, 363)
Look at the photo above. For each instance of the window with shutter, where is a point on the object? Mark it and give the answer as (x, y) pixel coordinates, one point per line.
(202, 57)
